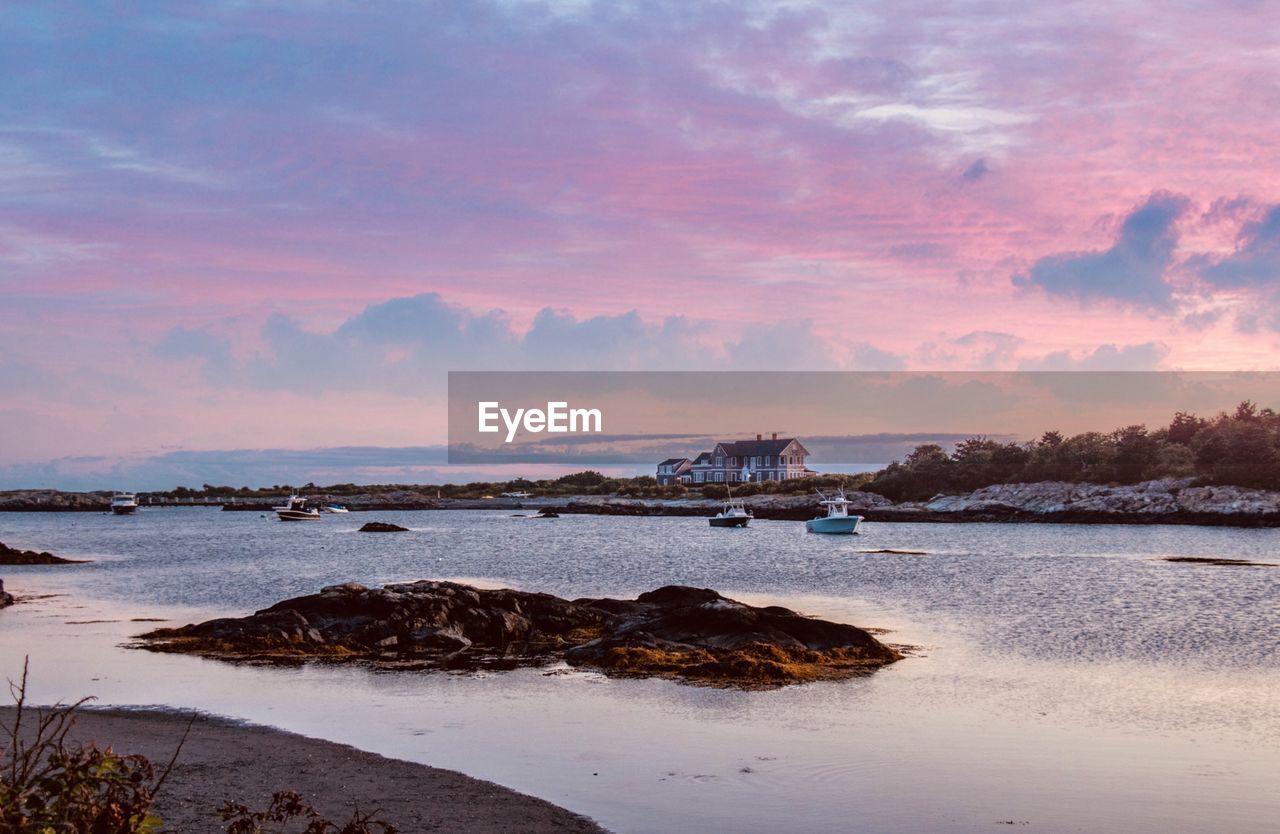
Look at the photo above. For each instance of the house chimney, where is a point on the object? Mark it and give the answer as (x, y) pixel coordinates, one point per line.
(759, 437)
(775, 436)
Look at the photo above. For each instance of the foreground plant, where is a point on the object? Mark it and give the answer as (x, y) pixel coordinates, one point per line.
(288, 810)
(48, 785)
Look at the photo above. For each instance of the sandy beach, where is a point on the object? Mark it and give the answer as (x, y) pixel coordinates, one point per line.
(224, 760)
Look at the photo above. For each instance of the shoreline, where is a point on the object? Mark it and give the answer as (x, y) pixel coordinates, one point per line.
(1172, 501)
(224, 759)
(658, 508)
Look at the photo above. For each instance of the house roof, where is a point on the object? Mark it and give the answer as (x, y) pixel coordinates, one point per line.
(750, 448)
(701, 459)
(672, 461)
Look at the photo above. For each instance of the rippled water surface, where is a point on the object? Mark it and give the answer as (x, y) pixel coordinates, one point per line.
(1066, 676)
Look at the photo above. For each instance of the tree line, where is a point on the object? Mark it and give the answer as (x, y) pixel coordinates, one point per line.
(1241, 449)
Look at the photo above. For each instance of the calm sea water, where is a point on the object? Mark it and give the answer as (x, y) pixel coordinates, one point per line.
(1066, 676)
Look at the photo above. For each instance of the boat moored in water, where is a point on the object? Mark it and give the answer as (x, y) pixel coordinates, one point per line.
(734, 514)
(295, 509)
(335, 508)
(837, 519)
(124, 503)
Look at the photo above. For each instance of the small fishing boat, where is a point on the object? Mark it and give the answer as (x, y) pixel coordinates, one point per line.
(335, 508)
(295, 509)
(734, 514)
(837, 519)
(124, 503)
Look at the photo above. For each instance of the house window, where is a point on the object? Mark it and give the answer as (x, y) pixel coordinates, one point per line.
(719, 461)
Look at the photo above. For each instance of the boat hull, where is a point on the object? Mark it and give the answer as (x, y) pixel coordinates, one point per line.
(298, 515)
(846, 526)
(730, 521)
(124, 510)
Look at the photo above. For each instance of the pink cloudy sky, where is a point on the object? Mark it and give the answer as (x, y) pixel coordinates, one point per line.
(243, 225)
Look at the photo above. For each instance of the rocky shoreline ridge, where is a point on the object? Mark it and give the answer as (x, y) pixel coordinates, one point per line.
(14, 556)
(1169, 501)
(693, 635)
(1172, 501)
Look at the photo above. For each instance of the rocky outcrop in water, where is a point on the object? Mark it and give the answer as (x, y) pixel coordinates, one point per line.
(12, 556)
(691, 634)
(697, 634)
(6, 599)
(1219, 561)
(382, 527)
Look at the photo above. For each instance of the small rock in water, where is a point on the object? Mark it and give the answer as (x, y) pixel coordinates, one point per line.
(383, 527)
(1219, 560)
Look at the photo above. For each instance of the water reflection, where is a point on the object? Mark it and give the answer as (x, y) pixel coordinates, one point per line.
(1065, 677)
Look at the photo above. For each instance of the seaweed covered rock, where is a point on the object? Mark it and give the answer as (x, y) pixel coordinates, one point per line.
(697, 634)
(692, 634)
(424, 621)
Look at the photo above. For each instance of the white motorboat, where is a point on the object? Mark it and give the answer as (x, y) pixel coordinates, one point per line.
(124, 503)
(295, 509)
(837, 519)
(734, 514)
(335, 508)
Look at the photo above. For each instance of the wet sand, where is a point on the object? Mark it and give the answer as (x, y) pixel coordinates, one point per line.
(223, 760)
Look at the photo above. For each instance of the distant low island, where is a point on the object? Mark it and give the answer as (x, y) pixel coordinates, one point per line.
(1219, 470)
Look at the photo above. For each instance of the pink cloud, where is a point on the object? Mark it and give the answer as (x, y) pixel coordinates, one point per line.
(876, 175)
